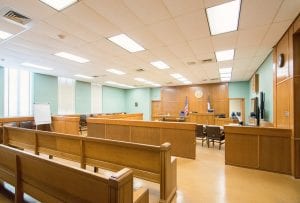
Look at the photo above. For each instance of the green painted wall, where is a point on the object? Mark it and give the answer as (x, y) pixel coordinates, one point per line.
(265, 72)
(1, 91)
(241, 90)
(155, 93)
(82, 97)
(143, 99)
(113, 100)
(45, 89)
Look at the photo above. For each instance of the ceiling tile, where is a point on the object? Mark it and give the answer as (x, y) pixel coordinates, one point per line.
(245, 52)
(251, 37)
(179, 7)
(258, 13)
(201, 47)
(193, 25)
(288, 11)
(148, 11)
(168, 32)
(182, 51)
(225, 41)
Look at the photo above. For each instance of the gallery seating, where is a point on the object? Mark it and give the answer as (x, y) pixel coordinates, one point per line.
(200, 133)
(48, 181)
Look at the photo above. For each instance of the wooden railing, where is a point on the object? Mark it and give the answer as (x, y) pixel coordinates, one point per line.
(48, 181)
(182, 136)
(129, 116)
(149, 162)
(258, 147)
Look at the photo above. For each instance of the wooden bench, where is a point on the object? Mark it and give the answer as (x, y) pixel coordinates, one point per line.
(48, 181)
(181, 135)
(153, 163)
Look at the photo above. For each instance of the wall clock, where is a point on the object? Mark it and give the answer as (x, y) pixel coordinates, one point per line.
(280, 60)
(198, 94)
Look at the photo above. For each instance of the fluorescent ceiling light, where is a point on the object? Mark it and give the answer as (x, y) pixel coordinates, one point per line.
(160, 65)
(147, 82)
(224, 17)
(5, 35)
(140, 79)
(115, 71)
(83, 76)
(35, 66)
(156, 84)
(125, 42)
(225, 55)
(225, 75)
(225, 79)
(72, 57)
(225, 70)
(176, 75)
(187, 82)
(59, 4)
(118, 84)
(182, 79)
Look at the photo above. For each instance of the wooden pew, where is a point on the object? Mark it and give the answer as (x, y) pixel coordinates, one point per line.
(48, 181)
(182, 136)
(153, 163)
(66, 124)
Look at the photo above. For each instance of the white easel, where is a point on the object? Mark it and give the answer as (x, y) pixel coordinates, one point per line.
(42, 114)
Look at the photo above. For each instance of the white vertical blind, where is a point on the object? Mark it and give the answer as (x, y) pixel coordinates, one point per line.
(17, 92)
(96, 98)
(66, 96)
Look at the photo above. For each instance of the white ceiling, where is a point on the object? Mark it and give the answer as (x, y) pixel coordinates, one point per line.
(174, 31)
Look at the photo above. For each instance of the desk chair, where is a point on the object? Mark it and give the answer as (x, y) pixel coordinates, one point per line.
(200, 134)
(82, 123)
(214, 134)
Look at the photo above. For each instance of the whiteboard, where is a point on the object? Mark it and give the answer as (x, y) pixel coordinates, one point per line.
(42, 114)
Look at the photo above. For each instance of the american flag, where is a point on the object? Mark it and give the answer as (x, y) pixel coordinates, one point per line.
(186, 107)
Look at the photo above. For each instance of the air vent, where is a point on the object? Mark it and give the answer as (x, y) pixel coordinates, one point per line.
(190, 63)
(17, 17)
(207, 60)
(140, 70)
(169, 83)
(214, 79)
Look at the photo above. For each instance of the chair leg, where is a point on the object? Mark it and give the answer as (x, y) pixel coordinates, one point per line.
(220, 145)
(207, 142)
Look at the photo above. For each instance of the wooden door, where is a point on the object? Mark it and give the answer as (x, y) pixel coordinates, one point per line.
(155, 109)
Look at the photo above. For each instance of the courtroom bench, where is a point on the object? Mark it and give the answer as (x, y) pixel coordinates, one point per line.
(153, 163)
(181, 135)
(48, 181)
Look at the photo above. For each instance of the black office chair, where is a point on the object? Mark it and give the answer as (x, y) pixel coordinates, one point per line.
(82, 123)
(200, 133)
(214, 134)
(27, 124)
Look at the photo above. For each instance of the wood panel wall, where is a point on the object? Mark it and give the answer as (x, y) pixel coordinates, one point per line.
(173, 98)
(260, 148)
(286, 89)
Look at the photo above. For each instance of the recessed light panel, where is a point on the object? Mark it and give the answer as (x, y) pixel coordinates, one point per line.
(83, 76)
(159, 65)
(59, 4)
(225, 70)
(118, 84)
(72, 57)
(115, 71)
(224, 17)
(225, 75)
(35, 66)
(225, 79)
(5, 35)
(125, 42)
(176, 75)
(147, 82)
(225, 55)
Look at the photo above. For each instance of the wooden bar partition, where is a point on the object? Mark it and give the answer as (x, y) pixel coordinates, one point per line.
(42, 179)
(153, 163)
(66, 124)
(259, 148)
(182, 136)
(129, 116)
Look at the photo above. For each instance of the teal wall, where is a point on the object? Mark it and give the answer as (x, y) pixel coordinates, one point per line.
(241, 90)
(155, 93)
(113, 100)
(143, 99)
(265, 72)
(82, 97)
(45, 89)
(1, 91)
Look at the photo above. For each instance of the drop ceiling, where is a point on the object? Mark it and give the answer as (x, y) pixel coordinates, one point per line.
(173, 31)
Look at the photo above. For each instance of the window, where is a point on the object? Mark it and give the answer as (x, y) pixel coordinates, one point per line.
(17, 92)
(66, 96)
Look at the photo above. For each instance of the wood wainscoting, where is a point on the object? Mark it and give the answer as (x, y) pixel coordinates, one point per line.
(181, 135)
(259, 148)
